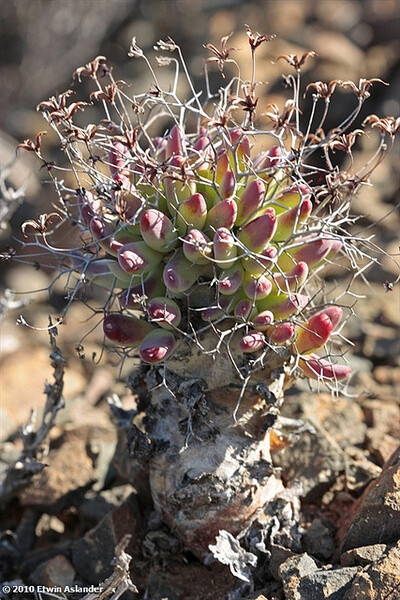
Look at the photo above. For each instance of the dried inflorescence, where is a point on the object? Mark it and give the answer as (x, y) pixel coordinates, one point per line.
(219, 224)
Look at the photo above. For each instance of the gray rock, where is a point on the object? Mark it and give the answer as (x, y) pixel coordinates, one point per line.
(131, 470)
(325, 585)
(96, 506)
(318, 540)
(379, 345)
(160, 543)
(297, 567)
(279, 554)
(360, 471)
(92, 554)
(302, 580)
(343, 418)
(158, 587)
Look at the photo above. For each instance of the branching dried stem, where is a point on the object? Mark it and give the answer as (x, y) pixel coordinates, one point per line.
(10, 198)
(34, 439)
(120, 581)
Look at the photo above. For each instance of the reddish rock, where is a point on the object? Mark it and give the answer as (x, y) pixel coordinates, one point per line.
(380, 445)
(56, 572)
(23, 376)
(375, 517)
(73, 465)
(363, 556)
(387, 375)
(313, 460)
(378, 580)
(193, 580)
(383, 416)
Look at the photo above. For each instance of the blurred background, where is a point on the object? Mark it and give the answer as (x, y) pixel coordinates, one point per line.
(44, 41)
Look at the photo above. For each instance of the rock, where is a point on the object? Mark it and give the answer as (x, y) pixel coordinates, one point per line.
(339, 18)
(329, 584)
(49, 525)
(380, 445)
(99, 385)
(382, 344)
(101, 447)
(391, 260)
(318, 540)
(272, 591)
(387, 375)
(131, 470)
(55, 572)
(159, 588)
(362, 556)
(378, 580)
(279, 554)
(327, 44)
(8, 425)
(314, 460)
(160, 543)
(296, 567)
(375, 516)
(22, 172)
(341, 416)
(14, 372)
(360, 471)
(92, 554)
(383, 419)
(69, 470)
(97, 505)
(302, 580)
(78, 411)
(366, 386)
(9, 453)
(77, 460)
(383, 416)
(190, 579)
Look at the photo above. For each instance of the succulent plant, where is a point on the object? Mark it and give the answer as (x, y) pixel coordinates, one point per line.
(228, 230)
(210, 240)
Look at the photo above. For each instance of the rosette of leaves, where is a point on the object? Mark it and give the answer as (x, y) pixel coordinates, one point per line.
(223, 239)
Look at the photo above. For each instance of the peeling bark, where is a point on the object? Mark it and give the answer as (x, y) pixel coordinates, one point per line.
(210, 465)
